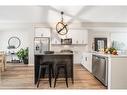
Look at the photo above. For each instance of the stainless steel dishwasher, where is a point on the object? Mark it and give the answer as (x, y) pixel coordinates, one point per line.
(100, 68)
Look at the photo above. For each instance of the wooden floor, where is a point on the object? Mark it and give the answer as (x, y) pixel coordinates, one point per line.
(20, 76)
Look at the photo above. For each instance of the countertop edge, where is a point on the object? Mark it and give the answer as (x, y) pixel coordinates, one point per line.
(110, 55)
(56, 54)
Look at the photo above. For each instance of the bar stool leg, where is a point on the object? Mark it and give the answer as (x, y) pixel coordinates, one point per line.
(66, 76)
(50, 76)
(56, 76)
(39, 76)
(52, 71)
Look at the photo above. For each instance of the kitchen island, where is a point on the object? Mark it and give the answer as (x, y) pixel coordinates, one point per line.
(55, 58)
(116, 70)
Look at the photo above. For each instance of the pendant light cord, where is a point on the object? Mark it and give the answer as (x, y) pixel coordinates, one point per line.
(62, 16)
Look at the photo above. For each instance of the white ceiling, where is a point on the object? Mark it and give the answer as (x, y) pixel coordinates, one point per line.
(51, 14)
(21, 14)
(106, 14)
(92, 16)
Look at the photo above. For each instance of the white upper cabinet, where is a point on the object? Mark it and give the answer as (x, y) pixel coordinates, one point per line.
(55, 39)
(79, 36)
(42, 32)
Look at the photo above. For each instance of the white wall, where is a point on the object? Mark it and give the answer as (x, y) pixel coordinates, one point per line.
(23, 31)
(113, 34)
(120, 39)
(94, 34)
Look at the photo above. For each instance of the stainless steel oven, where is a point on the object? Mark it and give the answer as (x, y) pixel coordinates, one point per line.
(100, 68)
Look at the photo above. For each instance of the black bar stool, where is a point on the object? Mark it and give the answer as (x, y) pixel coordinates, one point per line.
(49, 66)
(58, 67)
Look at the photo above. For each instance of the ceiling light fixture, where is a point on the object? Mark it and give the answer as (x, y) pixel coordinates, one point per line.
(61, 27)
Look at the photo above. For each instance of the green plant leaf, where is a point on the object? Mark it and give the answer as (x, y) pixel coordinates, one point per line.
(22, 53)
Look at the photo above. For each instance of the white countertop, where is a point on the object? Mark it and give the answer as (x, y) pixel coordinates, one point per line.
(56, 53)
(109, 55)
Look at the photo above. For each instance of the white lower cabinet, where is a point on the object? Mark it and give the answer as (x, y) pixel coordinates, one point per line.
(86, 61)
(77, 58)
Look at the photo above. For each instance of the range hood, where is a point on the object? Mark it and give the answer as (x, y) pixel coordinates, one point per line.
(67, 41)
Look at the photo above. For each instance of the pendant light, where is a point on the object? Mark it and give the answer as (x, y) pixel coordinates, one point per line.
(61, 27)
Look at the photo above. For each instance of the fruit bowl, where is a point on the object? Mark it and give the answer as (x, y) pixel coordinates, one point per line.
(111, 51)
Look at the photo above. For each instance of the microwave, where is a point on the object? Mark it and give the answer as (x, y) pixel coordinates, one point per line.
(67, 41)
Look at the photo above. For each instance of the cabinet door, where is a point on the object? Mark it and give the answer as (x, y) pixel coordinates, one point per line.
(90, 62)
(72, 34)
(86, 64)
(77, 58)
(42, 32)
(84, 37)
(55, 39)
(82, 59)
(87, 61)
(78, 36)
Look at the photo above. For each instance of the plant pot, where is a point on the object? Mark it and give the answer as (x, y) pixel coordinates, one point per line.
(25, 60)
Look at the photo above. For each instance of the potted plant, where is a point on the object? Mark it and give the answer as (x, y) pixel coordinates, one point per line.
(23, 55)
